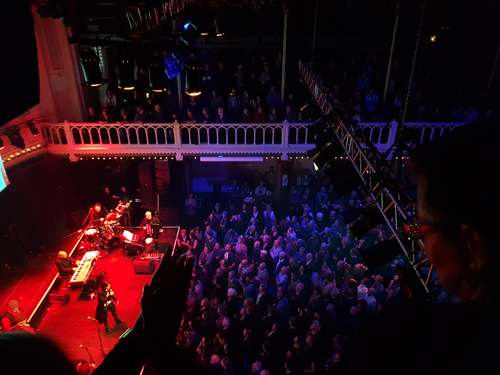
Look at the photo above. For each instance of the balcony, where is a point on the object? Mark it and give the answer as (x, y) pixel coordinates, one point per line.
(173, 140)
(226, 142)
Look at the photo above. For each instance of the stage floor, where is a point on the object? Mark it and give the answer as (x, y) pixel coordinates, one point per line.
(72, 325)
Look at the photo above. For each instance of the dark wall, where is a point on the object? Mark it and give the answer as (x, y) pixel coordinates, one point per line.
(19, 65)
(41, 204)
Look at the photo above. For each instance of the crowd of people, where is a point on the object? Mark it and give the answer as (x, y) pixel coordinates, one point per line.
(279, 288)
(359, 85)
(245, 91)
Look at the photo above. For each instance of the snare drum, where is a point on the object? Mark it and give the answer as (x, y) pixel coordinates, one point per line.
(90, 235)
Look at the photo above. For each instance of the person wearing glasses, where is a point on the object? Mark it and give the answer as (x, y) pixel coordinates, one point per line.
(458, 203)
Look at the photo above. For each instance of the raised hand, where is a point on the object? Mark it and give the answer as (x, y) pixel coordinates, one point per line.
(164, 300)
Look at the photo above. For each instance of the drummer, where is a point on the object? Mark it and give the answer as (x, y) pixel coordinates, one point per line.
(97, 212)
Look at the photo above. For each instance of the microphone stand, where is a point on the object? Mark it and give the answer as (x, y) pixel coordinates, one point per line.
(98, 329)
(91, 359)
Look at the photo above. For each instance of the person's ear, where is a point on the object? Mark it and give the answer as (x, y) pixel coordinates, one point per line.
(475, 248)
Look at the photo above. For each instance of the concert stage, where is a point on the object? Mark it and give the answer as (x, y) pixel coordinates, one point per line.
(72, 325)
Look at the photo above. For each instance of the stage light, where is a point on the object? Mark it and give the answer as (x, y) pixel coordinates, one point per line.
(321, 155)
(91, 69)
(126, 73)
(157, 78)
(192, 77)
(218, 29)
(189, 26)
(433, 38)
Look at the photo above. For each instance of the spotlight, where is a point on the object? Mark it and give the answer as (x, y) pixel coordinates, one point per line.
(189, 26)
(192, 82)
(126, 70)
(157, 77)
(433, 38)
(370, 217)
(91, 69)
(218, 29)
(320, 156)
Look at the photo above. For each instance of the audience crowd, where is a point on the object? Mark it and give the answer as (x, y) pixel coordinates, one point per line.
(241, 92)
(279, 288)
(359, 85)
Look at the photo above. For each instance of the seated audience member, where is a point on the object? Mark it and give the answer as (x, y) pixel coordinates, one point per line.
(124, 116)
(158, 114)
(91, 114)
(291, 114)
(14, 319)
(220, 117)
(246, 116)
(141, 115)
(205, 117)
(105, 115)
(189, 119)
(259, 115)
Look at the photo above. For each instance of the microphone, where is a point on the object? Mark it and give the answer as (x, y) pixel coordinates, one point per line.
(90, 318)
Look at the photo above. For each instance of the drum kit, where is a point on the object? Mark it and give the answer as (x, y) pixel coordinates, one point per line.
(106, 232)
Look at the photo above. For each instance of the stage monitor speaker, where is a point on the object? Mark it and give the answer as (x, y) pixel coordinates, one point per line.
(144, 266)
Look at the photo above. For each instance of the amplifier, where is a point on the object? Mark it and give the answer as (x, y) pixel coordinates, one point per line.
(144, 266)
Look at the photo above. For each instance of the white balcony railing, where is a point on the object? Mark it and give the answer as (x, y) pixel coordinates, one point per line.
(383, 134)
(176, 140)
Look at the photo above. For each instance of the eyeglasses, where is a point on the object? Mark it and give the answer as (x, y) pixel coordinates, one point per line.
(419, 230)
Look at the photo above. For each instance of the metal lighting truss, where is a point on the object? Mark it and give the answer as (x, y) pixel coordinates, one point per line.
(386, 192)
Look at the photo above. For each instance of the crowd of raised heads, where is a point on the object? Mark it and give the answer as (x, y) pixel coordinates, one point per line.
(241, 91)
(279, 287)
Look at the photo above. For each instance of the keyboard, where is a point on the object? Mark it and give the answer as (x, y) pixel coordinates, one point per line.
(84, 269)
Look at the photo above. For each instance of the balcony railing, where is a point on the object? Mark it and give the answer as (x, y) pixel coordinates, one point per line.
(173, 139)
(383, 134)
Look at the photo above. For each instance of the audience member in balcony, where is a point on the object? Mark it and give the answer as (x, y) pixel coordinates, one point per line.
(259, 115)
(190, 118)
(124, 116)
(170, 103)
(371, 103)
(290, 114)
(91, 114)
(207, 79)
(220, 117)
(205, 117)
(245, 99)
(273, 99)
(246, 116)
(240, 77)
(273, 115)
(193, 105)
(110, 100)
(233, 106)
(141, 115)
(158, 115)
(105, 116)
(216, 101)
(265, 77)
(221, 77)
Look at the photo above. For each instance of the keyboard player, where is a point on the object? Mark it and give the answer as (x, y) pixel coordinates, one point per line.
(65, 265)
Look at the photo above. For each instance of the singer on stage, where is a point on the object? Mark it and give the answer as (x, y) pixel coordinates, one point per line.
(106, 302)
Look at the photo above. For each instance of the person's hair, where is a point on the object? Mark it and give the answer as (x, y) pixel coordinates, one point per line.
(461, 178)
